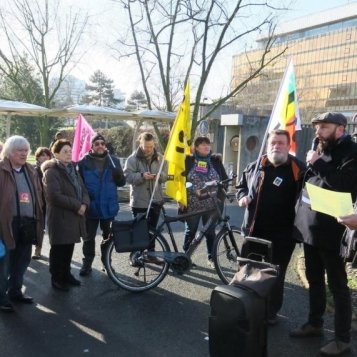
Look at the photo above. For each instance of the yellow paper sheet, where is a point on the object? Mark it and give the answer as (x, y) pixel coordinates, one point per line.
(333, 203)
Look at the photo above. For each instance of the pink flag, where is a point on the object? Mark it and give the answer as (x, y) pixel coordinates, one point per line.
(82, 138)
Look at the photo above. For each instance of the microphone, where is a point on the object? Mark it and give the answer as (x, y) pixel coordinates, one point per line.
(315, 143)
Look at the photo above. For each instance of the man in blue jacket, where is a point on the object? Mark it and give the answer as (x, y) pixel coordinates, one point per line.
(102, 174)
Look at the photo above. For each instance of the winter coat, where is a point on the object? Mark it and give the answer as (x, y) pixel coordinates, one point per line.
(338, 173)
(297, 167)
(140, 189)
(8, 192)
(102, 188)
(65, 225)
(216, 161)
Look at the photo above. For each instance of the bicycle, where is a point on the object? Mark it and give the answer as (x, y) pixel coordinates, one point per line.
(139, 271)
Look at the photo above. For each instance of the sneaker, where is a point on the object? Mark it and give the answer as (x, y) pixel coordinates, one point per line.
(306, 330)
(210, 263)
(335, 348)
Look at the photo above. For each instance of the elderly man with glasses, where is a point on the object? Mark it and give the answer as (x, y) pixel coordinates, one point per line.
(102, 174)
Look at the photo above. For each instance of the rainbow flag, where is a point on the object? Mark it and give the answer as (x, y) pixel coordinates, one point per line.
(176, 151)
(285, 113)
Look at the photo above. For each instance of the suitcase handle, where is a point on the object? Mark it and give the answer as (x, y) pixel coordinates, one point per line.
(265, 242)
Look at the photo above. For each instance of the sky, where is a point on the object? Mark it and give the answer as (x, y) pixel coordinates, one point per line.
(106, 14)
(126, 75)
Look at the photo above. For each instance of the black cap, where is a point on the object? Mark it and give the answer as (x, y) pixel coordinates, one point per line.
(97, 137)
(334, 118)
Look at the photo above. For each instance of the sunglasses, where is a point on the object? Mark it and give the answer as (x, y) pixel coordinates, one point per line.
(99, 143)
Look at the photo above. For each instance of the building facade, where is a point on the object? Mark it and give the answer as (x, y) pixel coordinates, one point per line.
(323, 47)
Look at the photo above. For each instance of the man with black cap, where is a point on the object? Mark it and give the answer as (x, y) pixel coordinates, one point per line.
(102, 174)
(333, 166)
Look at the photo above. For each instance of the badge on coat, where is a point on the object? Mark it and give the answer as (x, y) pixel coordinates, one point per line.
(201, 167)
(277, 181)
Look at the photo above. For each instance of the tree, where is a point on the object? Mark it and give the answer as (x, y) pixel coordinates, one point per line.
(174, 40)
(29, 91)
(137, 101)
(49, 40)
(101, 91)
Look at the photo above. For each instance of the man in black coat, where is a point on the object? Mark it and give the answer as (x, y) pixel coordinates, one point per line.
(270, 207)
(333, 166)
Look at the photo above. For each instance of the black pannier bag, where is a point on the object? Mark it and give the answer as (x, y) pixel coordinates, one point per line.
(131, 235)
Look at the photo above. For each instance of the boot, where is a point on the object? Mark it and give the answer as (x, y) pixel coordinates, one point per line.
(86, 268)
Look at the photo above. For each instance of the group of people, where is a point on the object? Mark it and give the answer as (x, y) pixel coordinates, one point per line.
(79, 197)
(74, 199)
(278, 208)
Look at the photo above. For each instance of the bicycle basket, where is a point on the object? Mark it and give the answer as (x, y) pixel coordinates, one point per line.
(132, 235)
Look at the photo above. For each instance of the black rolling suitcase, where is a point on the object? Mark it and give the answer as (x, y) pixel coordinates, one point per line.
(237, 324)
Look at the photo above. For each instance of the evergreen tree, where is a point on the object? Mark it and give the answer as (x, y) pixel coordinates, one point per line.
(137, 101)
(100, 91)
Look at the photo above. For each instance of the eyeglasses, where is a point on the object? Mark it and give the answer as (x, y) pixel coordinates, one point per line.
(99, 143)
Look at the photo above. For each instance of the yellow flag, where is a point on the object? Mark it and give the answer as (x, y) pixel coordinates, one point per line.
(176, 151)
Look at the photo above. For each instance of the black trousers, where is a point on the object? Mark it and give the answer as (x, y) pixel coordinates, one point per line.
(88, 248)
(281, 255)
(60, 261)
(317, 261)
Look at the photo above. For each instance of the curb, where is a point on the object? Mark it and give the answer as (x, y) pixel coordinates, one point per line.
(300, 268)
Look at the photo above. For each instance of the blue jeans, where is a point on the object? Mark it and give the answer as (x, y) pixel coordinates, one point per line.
(191, 227)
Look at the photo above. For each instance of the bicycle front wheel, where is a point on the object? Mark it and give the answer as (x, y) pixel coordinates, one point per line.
(226, 249)
(139, 270)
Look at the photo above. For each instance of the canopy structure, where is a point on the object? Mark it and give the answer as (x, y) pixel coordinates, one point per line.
(155, 115)
(10, 108)
(93, 111)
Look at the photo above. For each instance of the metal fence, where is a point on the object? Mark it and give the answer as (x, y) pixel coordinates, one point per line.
(305, 136)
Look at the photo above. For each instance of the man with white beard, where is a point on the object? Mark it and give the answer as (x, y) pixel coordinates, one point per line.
(270, 206)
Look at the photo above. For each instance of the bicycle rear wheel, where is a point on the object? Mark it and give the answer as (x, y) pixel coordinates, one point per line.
(226, 248)
(139, 270)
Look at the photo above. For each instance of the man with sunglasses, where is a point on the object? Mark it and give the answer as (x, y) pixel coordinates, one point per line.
(102, 174)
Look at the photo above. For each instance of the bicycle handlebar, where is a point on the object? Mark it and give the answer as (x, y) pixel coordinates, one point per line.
(208, 188)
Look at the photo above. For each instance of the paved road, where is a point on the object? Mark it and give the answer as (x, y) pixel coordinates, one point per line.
(99, 319)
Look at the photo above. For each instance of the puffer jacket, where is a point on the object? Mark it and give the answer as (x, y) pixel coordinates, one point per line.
(141, 189)
(102, 189)
(65, 225)
(8, 192)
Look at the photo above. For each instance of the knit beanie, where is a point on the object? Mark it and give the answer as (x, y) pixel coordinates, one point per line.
(97, 137)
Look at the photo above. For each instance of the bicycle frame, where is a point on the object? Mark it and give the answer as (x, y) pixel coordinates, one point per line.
(217, 215)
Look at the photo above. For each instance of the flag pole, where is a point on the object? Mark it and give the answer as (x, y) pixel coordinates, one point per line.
(267, 129)
(155, 187)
